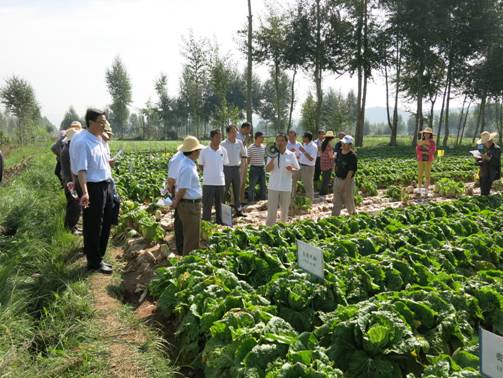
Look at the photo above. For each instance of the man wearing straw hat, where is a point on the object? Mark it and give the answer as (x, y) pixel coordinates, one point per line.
(489, 161)
(188, 195)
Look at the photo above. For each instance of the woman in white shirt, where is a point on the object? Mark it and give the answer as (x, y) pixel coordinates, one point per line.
(281, 169)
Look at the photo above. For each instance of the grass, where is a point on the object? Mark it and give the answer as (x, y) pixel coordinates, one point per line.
(47, 321)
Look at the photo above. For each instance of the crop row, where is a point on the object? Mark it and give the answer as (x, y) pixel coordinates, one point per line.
(140, 176)
(404, 292)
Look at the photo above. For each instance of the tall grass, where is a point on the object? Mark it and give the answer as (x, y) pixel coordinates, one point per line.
(45, 314)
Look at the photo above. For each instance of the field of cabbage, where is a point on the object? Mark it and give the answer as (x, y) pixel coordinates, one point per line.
(403, 294)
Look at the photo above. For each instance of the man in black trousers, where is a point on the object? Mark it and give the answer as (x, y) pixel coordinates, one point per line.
(90, 162)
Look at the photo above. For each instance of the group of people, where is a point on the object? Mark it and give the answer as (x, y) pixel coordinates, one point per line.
(225, 164)
(489, 160)
(84, 168)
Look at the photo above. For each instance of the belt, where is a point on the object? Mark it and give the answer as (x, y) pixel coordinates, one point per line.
(306, 165)
(99, 182)
(232, 166)
(191, 200)
(257, 166)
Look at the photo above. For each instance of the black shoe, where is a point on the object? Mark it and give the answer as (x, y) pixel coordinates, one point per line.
(107, 264)
(102, 268)
(240, 214)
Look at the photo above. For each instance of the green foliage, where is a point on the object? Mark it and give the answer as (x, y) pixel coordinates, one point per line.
(449, 188)
(404, 292)
(394, 192)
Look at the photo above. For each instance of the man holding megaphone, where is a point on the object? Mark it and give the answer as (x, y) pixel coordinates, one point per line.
(281, 167)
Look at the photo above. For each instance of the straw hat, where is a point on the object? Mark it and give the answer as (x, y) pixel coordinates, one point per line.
(329, 134)
(76, 125)
(190, 143)
(108, 128)
(70, 133)
(486, 136)
(427, 130)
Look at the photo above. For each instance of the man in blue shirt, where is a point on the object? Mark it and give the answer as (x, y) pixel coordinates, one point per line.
(89, 161)
(188, 195)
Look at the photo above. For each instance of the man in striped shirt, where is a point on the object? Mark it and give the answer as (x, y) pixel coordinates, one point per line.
(256, 161)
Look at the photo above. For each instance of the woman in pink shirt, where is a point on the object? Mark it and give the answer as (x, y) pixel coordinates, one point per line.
(425, 153)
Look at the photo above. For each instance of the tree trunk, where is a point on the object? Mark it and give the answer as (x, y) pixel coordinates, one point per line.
(449, 80)
(464, 123)
(249, 71)
(419, 108)
(279, 126)
(394, 129)
(482, 109)
(362, 50)
(292, 98)
(390, 125)
(318, 68)
(460, 120)
(441, 118)
(500, 128)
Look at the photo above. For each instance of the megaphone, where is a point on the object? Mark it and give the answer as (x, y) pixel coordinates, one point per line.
(271, 150)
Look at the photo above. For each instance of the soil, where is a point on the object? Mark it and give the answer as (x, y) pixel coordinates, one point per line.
(122, 341)
(13, 171)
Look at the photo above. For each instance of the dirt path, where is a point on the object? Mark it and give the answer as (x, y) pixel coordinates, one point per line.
(122, 341)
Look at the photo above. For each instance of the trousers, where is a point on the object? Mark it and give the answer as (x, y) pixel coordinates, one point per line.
(73, 210)
(233, 177)
(256, 176)
(178, 233)
(343, 195)
(277, 199)
(307, 176)
(213, 195)
(97, 221)
(190, 216)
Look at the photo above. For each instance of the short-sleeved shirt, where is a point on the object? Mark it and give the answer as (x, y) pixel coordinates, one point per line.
(174, 165)
(256, 155)
(235, 152)
(338, 147)
(188, 179)
(345, 163)
(312, 149)
(89, 153)
(280, 178)
(294, 146)
(213, 162)
(327, 159)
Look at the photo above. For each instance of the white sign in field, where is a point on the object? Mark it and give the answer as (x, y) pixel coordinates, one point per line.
(227, 215)
(310, 258)
(491, 354)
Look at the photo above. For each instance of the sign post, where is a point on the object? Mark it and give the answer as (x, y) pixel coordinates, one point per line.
(310, 258)
(491, 354)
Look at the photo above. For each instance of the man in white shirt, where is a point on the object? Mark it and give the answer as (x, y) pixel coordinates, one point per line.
(294, 147)
(212, 160)
(307, 163)
(281, 169)
(188, 194)
(236, 153)
(89, 161)
(173, 168)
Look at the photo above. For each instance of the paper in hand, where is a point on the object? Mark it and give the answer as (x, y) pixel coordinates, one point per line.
(476, 154)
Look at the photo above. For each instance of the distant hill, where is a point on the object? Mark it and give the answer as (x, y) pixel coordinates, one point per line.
(377, 114)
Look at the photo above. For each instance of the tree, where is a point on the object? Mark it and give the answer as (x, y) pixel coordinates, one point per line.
(119, 87)
(70, 116)
(275, 99)
(195, 80)
(164, 106)
(249, 68)
(19, 99)
(308, 114)
(325, 34)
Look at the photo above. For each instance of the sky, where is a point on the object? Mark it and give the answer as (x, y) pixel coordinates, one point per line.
(63, 47)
